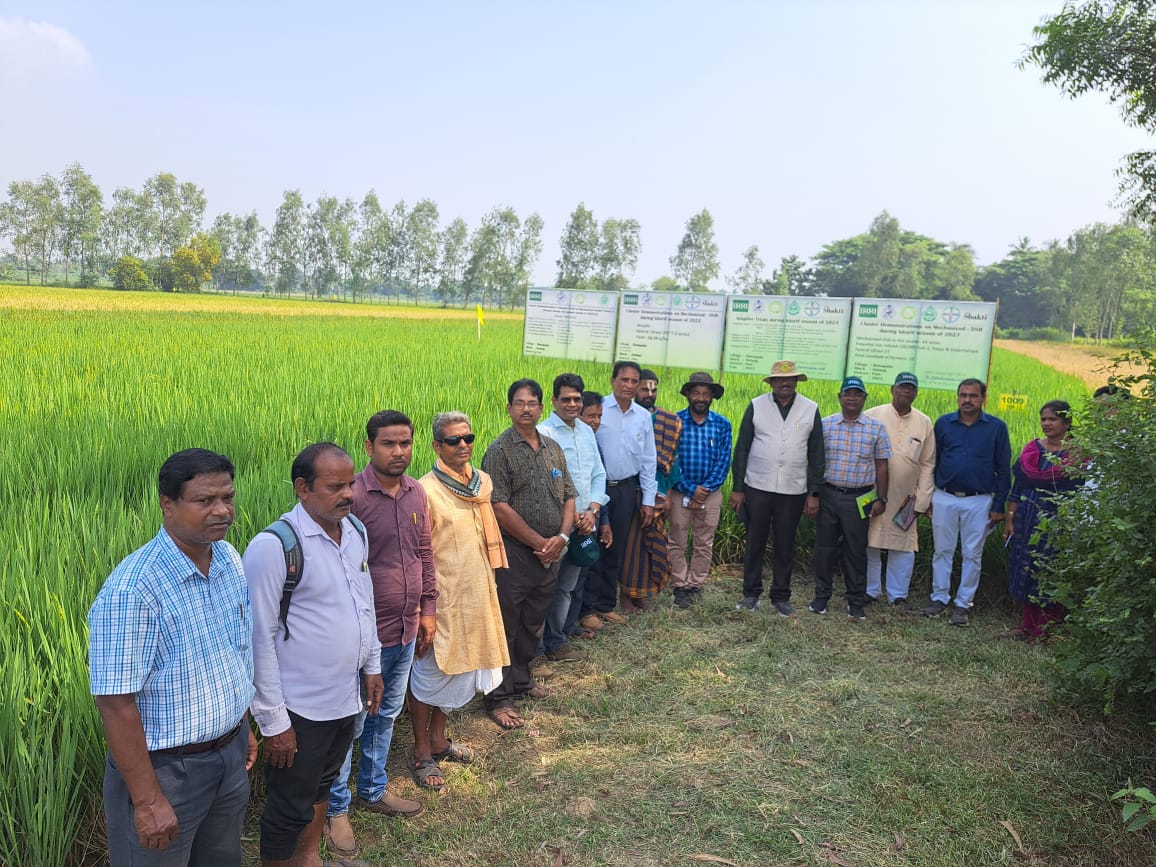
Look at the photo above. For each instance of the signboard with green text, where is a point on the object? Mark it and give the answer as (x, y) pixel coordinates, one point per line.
(675, 329)
(570, 323)
(941, 341)
(762, 329)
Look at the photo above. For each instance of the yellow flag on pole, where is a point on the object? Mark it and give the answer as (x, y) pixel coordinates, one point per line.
(481, 316)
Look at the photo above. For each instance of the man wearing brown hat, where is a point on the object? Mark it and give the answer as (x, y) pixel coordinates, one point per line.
(776, 474)
(704, 456)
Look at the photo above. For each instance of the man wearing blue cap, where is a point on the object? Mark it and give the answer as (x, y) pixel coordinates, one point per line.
(857, 451)
(910, 483)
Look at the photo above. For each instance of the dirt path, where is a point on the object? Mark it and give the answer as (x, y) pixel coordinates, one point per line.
(1089, 363)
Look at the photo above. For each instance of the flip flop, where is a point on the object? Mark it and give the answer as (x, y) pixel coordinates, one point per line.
(539, 692)
(507, 718)
(456, 753)
(422, 769)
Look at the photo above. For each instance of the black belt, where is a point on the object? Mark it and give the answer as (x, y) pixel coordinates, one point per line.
(966, 493)
(204, 746)
(615, 484)
(855, 491)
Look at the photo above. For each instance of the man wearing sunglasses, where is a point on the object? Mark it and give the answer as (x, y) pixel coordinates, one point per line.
(534, 504)
(585, 466)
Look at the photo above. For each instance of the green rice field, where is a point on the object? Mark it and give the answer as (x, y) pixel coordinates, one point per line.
(99, 387)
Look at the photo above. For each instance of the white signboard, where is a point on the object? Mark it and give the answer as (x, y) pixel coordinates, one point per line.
(570, 323)
(673, 329)
(763, 329)
(941, 342)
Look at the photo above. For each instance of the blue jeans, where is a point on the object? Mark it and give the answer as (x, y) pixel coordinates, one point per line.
(554, 635)
(374, 734)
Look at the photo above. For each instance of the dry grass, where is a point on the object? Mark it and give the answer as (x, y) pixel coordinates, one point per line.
(1088, 363)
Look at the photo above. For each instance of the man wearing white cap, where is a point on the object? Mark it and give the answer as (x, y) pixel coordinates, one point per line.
(911, 470)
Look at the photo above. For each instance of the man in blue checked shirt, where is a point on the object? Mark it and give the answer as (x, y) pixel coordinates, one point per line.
(696, 503)
(857, 449)
(171, 668)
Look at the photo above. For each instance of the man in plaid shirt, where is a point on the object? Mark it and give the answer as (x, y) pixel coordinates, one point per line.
(857, 449)
(695, 503)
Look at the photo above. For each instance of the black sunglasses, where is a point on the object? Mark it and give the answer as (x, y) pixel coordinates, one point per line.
(453, 441)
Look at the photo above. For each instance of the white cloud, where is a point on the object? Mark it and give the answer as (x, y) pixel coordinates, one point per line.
(37, 46)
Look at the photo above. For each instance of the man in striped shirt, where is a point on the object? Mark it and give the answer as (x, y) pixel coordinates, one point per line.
(857, 449)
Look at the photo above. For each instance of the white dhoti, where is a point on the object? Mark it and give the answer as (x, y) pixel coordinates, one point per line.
(430, 685)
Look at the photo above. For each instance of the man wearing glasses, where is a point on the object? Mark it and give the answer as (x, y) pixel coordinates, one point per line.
(534, 503)
(585, 467)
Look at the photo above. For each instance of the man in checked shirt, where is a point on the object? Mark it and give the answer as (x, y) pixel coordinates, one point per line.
(696, 502)
(857, 449)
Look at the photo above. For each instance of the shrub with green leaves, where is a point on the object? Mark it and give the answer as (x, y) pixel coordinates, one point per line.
(1103, 569)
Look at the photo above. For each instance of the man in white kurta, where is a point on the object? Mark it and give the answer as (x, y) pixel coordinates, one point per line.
(911, 468)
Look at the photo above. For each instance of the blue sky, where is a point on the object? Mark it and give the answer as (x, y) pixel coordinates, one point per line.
(794, 123)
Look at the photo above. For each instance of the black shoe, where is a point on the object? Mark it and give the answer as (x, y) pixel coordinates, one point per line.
(749, 603)
(870, 600)
(682, 598)
(817, 607)
(856, 614)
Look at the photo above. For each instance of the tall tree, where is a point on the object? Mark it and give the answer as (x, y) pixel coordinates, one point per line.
(453, 242)
(32, 218)
(421, 229)
(580, 248)
(748, 278)
(696, 262)
(82, 205)
(1108, 46)
(178, 210)
(619, 246)
(127, 229)
(286, 246)
(239, 238)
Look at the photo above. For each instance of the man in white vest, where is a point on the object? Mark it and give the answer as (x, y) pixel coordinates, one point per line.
(777, 470)
(911, 470)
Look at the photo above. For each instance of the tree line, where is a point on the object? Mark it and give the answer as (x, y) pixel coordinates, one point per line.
(1099, 283)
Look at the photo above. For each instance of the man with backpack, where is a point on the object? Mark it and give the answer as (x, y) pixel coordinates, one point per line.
(316, 655)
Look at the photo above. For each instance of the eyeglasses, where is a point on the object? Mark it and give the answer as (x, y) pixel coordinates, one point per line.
(526, 404)
(568, 399)
(468, 439)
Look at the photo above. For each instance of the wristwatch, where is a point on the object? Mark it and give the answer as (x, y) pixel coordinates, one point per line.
(565, 538)
(882, 500)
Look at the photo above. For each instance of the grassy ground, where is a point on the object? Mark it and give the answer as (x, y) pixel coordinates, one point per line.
(711, 736)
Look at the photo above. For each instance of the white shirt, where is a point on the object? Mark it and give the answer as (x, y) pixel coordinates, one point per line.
(627, 443)
(332, 626)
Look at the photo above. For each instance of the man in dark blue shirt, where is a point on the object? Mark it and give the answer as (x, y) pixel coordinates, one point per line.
(972, 482)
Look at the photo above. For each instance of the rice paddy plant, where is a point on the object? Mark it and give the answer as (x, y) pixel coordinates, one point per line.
(100, 387)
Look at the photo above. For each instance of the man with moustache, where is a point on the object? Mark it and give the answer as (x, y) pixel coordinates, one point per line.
(585, 467)
(171, 668)
(972, 483)
(856, 449)
(626, 441)
(644, 561)
(534, 504)
(776, 474)
(311, 668)
(695, 503)
(392, 506)
(910, 472)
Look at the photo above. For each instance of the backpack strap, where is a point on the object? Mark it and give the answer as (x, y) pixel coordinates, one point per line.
(294, 565)
(359, 527)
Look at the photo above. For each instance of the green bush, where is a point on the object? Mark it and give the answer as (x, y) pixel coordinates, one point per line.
(129, 274)
(1103, 569)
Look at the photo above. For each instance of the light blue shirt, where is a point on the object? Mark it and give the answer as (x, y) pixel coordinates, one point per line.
(316, 673)
(626, 440)
(582, 460)
(178, 641)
